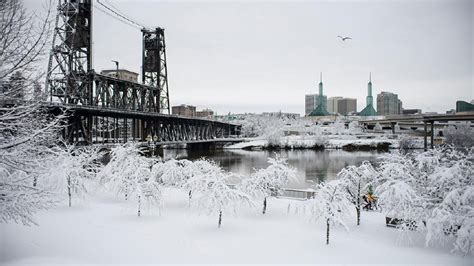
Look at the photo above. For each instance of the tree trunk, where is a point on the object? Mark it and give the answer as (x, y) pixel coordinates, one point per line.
(327, 232)
(264, 205)
(358, 215)
(220, 219)
(69, 189)
(139, 205)
(190, 196)
(358, 204)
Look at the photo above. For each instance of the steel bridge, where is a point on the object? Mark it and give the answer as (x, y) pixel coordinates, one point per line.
(106, 109)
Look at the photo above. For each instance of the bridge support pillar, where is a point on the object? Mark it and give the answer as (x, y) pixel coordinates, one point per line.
(425, 137)
(159, 151)
(393, 127)
(432, 134)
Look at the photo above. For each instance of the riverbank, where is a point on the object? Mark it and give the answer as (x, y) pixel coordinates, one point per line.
(366, 142)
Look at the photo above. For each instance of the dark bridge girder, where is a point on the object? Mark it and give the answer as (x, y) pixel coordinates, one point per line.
(90, 125)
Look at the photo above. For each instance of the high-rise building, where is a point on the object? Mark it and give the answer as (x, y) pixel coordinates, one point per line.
(311, 102)
(346, 106)
(184, 110)
(332, 104)
(321, 105)
(369, 108)
(388, 103)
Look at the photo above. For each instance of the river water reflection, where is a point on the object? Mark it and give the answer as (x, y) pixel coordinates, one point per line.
(312, 166)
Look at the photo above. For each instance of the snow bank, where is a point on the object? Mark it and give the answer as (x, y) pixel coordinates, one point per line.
(330, 142)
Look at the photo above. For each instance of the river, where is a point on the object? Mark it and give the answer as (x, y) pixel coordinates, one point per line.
(312, 166)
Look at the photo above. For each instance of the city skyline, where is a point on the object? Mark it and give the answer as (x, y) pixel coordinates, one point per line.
(275, 51)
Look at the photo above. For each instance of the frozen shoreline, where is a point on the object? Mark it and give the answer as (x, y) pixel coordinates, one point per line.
(346, 142)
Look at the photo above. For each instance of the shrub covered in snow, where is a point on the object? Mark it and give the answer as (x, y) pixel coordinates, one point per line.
(274, 137)
(461, 135)
(173, 173)
(258, 125)
(354, 128)
(431, 191)
(338, 128)
(407, 142)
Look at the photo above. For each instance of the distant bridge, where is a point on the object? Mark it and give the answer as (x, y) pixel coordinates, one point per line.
(415, 121)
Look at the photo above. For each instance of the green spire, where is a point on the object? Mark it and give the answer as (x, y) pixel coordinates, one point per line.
(370, 100)
(320, 98)
(369, 109)
(320, 109)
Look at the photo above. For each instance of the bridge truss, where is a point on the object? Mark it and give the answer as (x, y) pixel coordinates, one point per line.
(106, 109)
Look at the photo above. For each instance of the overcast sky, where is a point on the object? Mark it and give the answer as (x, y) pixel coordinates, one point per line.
(248, 56)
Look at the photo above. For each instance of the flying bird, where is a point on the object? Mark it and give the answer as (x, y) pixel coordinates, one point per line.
(344, 38)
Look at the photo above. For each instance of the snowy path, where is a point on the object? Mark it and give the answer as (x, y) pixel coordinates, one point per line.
(103, 231)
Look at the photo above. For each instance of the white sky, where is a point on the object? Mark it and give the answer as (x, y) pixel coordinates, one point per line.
(251, 56)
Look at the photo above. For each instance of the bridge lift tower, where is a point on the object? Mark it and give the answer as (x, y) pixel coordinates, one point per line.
(70, 76)
(70, 62)
(154, 69)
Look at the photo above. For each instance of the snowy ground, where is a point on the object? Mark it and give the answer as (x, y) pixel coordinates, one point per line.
(103, 231)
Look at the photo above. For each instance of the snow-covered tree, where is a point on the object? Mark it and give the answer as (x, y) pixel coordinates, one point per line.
(354, 128)
(269, 181)
(71, 171)
(461, 135)
(338, 128)
(396, 190)
(407, 142)
(259, 125)
(431, 191)
(354, 180)
(331, 205)
(274, 136)
(173, 173)
(27, 132)
(129, 175)
(213, 192)
(20, 199)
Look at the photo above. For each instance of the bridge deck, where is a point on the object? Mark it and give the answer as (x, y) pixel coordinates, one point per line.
(422, 118)
(115, 112)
